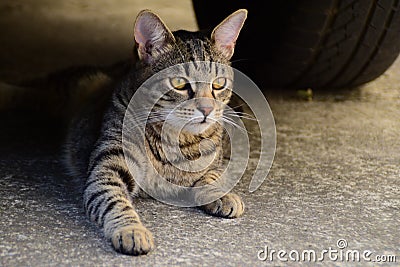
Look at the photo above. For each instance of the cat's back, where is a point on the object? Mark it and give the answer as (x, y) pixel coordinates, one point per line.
(91, 98)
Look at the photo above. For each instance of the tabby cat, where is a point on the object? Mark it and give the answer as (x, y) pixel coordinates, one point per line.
(94, 148)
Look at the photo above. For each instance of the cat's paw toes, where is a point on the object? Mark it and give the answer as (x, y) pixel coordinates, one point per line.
(133, 240)
(229, 206)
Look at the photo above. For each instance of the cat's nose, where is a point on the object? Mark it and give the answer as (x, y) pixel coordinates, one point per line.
(205, 110)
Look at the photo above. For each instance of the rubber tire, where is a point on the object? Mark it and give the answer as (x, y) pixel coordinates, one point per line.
(312, 43)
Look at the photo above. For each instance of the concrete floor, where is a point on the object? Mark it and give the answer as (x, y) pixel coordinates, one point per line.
(335, 175)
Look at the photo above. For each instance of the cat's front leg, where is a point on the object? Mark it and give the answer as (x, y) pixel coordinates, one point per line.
(107, 202)
(230, 205)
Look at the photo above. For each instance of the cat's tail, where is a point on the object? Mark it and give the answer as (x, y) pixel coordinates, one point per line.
(61, 93)
(31, 99)
(14, 96)
(56, 97)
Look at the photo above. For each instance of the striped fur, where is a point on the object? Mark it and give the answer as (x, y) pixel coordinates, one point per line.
(94, 149)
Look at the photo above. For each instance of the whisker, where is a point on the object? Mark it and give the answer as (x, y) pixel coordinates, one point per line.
(240, 60)
(238, 106)
(241, 115)
(234, 124)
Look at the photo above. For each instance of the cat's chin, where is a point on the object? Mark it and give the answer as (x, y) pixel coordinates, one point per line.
(197, 128)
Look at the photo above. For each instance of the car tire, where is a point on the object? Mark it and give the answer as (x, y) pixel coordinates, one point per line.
(313, 43)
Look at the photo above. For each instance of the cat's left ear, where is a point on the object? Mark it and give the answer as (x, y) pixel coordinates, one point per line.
(226, 33)
(152, 36)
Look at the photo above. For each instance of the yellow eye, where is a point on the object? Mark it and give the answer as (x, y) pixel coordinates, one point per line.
(179, 83)
(219, 83)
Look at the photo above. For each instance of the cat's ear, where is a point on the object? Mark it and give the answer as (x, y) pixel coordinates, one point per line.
(226, 33)
(152, 36)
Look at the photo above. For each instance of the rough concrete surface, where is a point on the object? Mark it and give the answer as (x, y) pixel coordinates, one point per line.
(335, 175)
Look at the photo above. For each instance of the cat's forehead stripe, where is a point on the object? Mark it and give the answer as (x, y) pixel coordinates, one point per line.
(197, 49)
(199, 70)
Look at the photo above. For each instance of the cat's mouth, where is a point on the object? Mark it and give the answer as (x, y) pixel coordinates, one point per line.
(204, 120)
(199, 124)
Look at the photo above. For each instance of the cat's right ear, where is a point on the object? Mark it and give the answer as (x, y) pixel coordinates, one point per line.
(227, 32)
(152, 36)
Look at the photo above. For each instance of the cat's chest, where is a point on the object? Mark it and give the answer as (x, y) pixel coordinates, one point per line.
(181, 165)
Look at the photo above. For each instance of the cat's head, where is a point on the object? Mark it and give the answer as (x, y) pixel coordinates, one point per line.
(201, 84)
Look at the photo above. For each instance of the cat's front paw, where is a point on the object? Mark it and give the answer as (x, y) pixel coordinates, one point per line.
(133, 240)
(228, 206)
